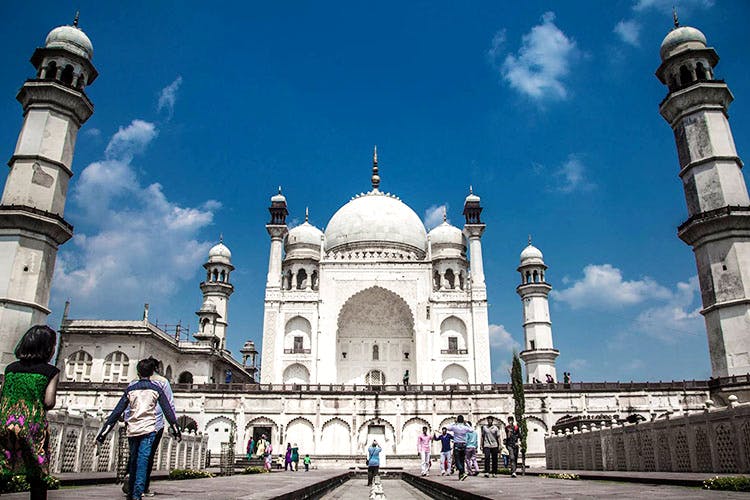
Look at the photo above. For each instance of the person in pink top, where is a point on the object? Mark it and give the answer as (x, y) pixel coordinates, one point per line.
(424, 444)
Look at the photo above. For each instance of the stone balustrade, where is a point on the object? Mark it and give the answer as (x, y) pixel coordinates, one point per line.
(73, 447)
(715, 440)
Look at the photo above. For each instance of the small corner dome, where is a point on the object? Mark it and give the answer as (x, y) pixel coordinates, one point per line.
(472, 198)
(679, 36)
(278, 198)
(531, 255)
(70, 38)
(249, 346)
(305, 234)
(447, 234)
(219, 253)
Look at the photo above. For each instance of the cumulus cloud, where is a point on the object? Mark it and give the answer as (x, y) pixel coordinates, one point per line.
(571, 176)
(168, 96)
(538, 68)
(578, 364)
(603, 287)
(433, 216)
(502, 339)
(679, 316)
(629, 31)
(130, 140)
(139, 246)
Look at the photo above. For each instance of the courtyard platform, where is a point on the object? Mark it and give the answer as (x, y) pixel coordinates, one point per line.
(400, 485)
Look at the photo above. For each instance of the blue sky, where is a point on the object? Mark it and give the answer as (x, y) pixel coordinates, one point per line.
(549, 109)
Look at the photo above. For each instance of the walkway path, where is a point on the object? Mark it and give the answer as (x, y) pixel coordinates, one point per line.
(267, 486)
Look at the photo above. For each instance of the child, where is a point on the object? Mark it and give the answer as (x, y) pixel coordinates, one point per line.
(28, 392)
(307, 463)
(140, 399)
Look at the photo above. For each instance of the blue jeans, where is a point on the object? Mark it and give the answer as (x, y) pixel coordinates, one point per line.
(140, 452)
(459, 456)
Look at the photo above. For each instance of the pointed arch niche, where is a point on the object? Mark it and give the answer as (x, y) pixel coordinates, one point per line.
(374, 316)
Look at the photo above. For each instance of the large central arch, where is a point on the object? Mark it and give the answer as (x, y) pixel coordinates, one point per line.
(375, 331)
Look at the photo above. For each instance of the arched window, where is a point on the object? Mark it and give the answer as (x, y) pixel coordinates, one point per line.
(528, 277)
(314, 280)
(204, 324)
(185, 378)
(221, 277)
(288, 280)
(116, 367)
(81, 81)
(436, 280)
(536, 277)
(376, 353)
(375, 377)
(700, 72)
(67, 75)
(215, 275)
(168, 374)
(685, 76)
(461, 280)
(187, 424)
(78, 367)
(51, 73)
(672, 83)
(450, 278)
(301, 279)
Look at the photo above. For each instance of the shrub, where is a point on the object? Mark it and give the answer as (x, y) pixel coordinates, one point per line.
(571, 477)
(177, 474)
(19, 483)
(728, 483)
(504, 470)
(253, 470)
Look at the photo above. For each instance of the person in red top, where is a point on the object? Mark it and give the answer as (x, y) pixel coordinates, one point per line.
(424, 443)
(512, 437)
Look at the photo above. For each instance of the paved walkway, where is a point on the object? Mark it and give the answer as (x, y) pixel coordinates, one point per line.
(267, 486)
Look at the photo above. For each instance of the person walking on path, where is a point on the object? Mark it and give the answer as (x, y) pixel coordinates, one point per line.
(445, 450)
(424, 442)
(490, 443)
(472, 468)
(141, 399)
(373, 461)
(504, 455)
(512, 436)
(306, 461)
(288, 457)
(250, 448)
(267, 455)
(459, 431)
(295, 457)
(29, 390)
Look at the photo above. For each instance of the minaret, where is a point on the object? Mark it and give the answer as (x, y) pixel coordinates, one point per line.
(473, 229)
(277, 229)
(718, 224)
(539, 353)
(33, 202)
(213, 316)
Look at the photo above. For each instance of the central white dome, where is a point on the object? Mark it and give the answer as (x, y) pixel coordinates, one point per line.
(378, 219)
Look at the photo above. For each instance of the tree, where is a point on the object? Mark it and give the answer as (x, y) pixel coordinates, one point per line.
(516, 380)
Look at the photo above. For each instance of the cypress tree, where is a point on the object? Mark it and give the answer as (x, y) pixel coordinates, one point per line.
(516, 380)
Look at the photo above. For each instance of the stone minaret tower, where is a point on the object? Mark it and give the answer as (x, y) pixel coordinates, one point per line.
(277, 230)
(33, 202)
(473, 229)
(213, 316)
(539, 353)
(718, 224)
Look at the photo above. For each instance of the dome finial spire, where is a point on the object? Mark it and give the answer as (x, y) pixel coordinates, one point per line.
(307, 214)
(529, 239)
(279, 189)
(375, 171)
(445, 214)
(75, 19)
(221, 237)
(674, 16)
(471, 189)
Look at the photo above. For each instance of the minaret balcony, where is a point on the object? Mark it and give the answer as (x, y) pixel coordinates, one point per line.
(701, 94)
(725, 220)
(454, 351)
(297, 350)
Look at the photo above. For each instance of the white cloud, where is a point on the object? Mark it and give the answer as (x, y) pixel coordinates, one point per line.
(629, 31)
(666, 5)
(571, 176)
(578, 364)
(542, 61)
(141, 246)
(130, 140)
(433, 216)
(502, 339)
(92, 132)
(501, 373)
(168, 96)
(678, 317)
(603, 287)
(497, 46)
